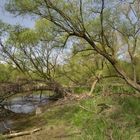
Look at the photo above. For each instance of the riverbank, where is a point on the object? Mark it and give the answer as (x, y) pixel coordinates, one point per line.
(112, 117)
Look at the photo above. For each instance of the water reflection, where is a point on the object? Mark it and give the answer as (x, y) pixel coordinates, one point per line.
(24, 105)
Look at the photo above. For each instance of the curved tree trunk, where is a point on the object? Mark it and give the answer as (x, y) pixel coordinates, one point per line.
(9, 89)
(114, 63)
(131, 82)
(58, 89)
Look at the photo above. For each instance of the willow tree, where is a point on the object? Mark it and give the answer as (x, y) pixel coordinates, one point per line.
(35, 53)
(111, 27)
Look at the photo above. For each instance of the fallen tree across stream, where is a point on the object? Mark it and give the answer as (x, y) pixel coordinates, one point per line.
(9, 89)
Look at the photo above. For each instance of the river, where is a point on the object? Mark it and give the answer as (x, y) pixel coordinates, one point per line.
(22, 105)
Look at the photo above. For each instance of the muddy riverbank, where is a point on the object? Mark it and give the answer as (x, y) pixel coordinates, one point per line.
(20, 107)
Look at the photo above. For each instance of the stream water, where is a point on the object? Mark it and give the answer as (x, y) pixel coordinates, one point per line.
(24, 105)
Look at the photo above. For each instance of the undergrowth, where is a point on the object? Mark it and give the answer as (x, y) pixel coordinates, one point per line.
(97, 118)
(101, 118)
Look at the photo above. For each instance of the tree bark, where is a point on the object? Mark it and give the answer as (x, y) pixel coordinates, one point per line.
(114, 63)
(129, 81)
(58, 89)
(93, 86)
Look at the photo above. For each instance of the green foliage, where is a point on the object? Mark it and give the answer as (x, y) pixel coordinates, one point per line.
(5, 74)
(21, 36)
(120, 124)
(44, 29)
(28, 36)
(62, 18)
(58, 20)
(3, 28)
(115, 89)
(24, 5)
(9, 73)
(76, 69)
(81, 89)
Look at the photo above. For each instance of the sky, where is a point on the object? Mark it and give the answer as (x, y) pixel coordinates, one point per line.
(11, 19)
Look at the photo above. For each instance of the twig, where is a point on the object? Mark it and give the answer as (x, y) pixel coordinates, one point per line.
(86, 109)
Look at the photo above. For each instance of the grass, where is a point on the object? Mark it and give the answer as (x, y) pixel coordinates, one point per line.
(120, 120)
(105, 86)
(1, 137)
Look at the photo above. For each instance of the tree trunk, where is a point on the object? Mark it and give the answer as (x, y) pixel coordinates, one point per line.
(93, 86)
(58, 89)
(131, 82)
(114, 63)
(95, 82)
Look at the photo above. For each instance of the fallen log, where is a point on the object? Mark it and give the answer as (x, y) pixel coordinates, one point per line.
(8, 136)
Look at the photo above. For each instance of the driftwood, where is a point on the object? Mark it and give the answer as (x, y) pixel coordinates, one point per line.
(8, 136)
